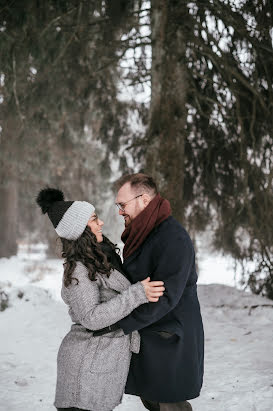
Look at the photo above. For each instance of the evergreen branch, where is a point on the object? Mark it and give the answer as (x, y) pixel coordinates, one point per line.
(7, 6)
(91, 23)
(15, 88)
(221, 63)
(253, 118)
(141, 11)
(135, 38)
(110, 62)
(70, 39)
(238, 23)
(136, 82)
(56, 19)
(210, 100)
(64, 49)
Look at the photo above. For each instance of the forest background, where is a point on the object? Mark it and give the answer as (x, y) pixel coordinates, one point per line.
(181, 90)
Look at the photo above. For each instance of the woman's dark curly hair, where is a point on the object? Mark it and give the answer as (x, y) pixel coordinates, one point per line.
(88, 251)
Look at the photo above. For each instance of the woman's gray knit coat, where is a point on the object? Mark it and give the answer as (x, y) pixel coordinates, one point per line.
(92, 371)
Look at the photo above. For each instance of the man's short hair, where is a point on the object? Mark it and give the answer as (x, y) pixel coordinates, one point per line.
(138, 182)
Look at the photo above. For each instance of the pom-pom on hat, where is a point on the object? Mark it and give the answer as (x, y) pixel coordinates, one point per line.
(69, 218)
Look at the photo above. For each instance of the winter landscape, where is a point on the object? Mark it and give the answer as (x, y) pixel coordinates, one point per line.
(91, 90)
(238, 337)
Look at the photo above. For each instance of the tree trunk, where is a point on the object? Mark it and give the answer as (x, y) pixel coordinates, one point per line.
(8, 218)
(11, 155)
(166, 133)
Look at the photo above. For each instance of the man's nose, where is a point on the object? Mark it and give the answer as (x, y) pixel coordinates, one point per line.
(121, 212)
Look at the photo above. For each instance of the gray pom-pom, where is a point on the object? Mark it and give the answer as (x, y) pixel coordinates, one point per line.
(47, 197)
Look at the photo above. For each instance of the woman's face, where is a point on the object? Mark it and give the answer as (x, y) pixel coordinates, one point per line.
(95, 225)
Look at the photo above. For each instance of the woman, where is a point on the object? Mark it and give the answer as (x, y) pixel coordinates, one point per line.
(92, 370)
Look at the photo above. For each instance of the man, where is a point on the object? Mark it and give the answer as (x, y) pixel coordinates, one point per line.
(169, 367)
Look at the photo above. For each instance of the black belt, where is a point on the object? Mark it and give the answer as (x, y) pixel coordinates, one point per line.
(103, 331)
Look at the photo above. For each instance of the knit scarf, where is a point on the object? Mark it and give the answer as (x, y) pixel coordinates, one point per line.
(133, 236)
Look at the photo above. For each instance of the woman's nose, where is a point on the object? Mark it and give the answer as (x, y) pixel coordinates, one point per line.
(101, 223)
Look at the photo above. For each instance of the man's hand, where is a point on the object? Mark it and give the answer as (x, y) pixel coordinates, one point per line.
(153, 289)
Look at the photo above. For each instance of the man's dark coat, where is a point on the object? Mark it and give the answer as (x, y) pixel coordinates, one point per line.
(166, 369)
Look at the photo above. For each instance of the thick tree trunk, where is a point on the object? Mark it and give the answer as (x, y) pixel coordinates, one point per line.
(9, 180)
(8, 218)
(168, 114)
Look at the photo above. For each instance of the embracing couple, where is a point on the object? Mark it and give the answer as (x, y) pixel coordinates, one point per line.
(137, 326)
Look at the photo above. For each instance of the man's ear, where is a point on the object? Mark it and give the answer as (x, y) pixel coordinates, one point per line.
(146, 199)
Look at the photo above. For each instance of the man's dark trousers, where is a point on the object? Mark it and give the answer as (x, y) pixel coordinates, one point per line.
(164, 406)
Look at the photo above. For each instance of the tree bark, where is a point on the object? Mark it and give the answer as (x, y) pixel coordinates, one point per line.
(9, 181)
(166, 132)
(8, 218)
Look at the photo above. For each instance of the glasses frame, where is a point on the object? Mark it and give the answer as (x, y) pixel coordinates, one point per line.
(122, 207)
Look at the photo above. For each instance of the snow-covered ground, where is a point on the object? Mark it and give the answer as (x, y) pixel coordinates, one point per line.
(238, 331)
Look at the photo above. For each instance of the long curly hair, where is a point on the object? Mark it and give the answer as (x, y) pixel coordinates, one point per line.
(88, 251)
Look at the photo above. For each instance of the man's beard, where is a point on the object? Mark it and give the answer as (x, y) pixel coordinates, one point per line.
(127, 221)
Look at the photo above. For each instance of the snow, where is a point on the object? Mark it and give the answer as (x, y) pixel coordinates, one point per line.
(238, 338)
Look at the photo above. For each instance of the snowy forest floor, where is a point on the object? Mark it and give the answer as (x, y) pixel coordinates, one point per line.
(238, 342)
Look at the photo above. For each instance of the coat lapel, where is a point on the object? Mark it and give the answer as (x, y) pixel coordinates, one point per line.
(132, 256)
(149, 238)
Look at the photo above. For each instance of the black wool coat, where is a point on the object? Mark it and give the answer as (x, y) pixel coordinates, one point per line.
(166, 369)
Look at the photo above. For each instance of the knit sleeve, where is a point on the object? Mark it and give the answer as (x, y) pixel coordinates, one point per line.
(85, 302)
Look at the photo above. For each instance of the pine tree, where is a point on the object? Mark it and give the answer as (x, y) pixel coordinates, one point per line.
(58, 82)
(206, 135)
(209, 135)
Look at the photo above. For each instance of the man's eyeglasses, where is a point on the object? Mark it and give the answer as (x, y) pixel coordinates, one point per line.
(121, 206)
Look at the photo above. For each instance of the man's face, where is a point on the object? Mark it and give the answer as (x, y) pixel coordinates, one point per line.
(132, 206)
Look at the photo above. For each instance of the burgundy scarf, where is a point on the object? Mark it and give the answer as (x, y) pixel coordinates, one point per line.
(133, 236)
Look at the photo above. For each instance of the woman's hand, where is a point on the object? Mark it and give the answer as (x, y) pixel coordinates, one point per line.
(153, 289)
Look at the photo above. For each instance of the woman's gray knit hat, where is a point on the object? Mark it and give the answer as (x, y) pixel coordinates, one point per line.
(68, 217)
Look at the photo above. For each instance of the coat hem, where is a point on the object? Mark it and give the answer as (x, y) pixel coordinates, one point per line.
(92, 407)
(180, 399)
